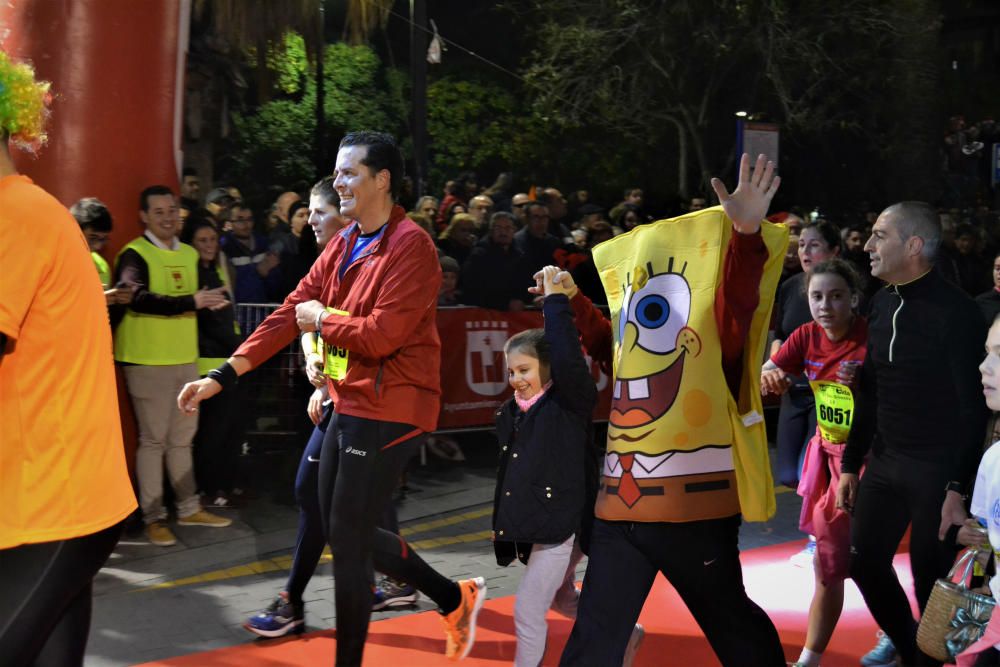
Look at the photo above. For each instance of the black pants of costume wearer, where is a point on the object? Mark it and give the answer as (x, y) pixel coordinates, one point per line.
(46, 591)
(359, 467)
(897, 490)
(701, 559)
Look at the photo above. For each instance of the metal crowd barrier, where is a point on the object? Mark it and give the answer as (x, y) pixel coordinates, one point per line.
(276, 392)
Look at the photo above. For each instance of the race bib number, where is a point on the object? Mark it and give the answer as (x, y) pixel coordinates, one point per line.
(834, 410)
(334, 357)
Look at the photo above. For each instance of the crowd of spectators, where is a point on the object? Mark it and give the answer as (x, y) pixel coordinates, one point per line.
(491, 241)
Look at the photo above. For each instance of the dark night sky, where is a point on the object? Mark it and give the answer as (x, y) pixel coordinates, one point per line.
(482, 27)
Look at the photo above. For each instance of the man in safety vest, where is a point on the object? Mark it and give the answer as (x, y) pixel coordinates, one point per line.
(94, 219)
(157, 343)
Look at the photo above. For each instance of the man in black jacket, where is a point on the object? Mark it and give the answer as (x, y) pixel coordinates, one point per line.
(534, 241)
(920, 409)
(496, 275)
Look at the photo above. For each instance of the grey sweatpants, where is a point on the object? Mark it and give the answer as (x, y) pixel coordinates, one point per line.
(548, 582)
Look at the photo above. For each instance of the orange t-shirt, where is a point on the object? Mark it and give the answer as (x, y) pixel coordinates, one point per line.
(62, 464)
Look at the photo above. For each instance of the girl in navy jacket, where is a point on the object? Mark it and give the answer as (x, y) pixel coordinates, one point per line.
(547, 477)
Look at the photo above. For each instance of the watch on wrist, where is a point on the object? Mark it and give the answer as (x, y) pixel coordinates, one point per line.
(957, 487)
(319, 321)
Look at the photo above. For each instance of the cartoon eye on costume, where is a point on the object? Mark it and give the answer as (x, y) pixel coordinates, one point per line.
(653, 311)
(658, 311)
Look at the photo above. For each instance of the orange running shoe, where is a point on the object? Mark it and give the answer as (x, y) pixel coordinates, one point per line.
(460, 625)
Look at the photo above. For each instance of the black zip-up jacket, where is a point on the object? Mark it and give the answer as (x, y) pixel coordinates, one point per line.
(217, 336)
(547, 477)
(920, 392)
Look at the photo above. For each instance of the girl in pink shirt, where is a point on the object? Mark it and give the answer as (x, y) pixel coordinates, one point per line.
(829, 350)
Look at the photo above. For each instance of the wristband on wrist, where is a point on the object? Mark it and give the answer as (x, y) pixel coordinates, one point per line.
(225, 375)
(319, 322)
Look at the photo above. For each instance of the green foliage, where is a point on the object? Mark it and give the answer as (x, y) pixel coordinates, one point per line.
(274, 143)
(472, 125)
(671, 74)
(289, 62)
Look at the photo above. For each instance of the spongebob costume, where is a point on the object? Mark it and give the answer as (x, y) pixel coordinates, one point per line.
(690, 303)
(680, 447)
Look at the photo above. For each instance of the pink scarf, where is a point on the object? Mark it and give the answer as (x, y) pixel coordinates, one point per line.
(526, 403)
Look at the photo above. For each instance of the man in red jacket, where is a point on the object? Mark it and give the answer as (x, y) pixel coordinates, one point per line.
(372, 296)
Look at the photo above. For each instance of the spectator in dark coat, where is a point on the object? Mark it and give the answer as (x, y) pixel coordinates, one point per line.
(255, 266)
(496, 275)
(459, 237)
(534, 241)
(989, 302)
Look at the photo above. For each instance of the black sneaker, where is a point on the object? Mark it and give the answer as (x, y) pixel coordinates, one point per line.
(391, 593)
(281, 618)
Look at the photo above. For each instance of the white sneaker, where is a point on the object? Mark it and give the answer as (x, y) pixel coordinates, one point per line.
(804, 558)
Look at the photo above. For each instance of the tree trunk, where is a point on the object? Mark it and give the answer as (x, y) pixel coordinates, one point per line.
(682, 151)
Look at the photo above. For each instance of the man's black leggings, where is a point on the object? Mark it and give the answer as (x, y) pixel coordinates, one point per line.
(897, 490)
(701, 559)
(45, 615)
(359, 468)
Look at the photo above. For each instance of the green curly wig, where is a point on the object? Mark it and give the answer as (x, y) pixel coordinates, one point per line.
(24, 104)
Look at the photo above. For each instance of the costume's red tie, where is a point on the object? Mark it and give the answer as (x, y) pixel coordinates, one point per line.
(628, 489)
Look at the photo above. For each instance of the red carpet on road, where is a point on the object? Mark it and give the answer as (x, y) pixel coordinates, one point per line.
(672, 637)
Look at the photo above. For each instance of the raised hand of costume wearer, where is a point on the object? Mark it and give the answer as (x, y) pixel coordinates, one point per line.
(748, 203)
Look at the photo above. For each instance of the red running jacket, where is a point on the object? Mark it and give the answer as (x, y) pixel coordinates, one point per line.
(390, 294)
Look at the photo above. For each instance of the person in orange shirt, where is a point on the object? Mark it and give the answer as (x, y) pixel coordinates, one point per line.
(64, 487)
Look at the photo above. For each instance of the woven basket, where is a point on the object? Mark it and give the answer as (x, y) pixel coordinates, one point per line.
(955, 617)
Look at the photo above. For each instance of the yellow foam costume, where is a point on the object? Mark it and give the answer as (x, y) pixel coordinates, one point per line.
(680, 448)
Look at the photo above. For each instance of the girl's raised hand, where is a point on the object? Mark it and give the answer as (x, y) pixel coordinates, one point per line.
(554, 281)
(562, 278)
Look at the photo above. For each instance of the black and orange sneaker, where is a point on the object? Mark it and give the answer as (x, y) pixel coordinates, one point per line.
(460, 625)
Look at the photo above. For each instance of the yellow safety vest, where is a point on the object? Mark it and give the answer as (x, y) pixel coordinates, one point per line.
(161, 340)
(680, 448)
(103, 270)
